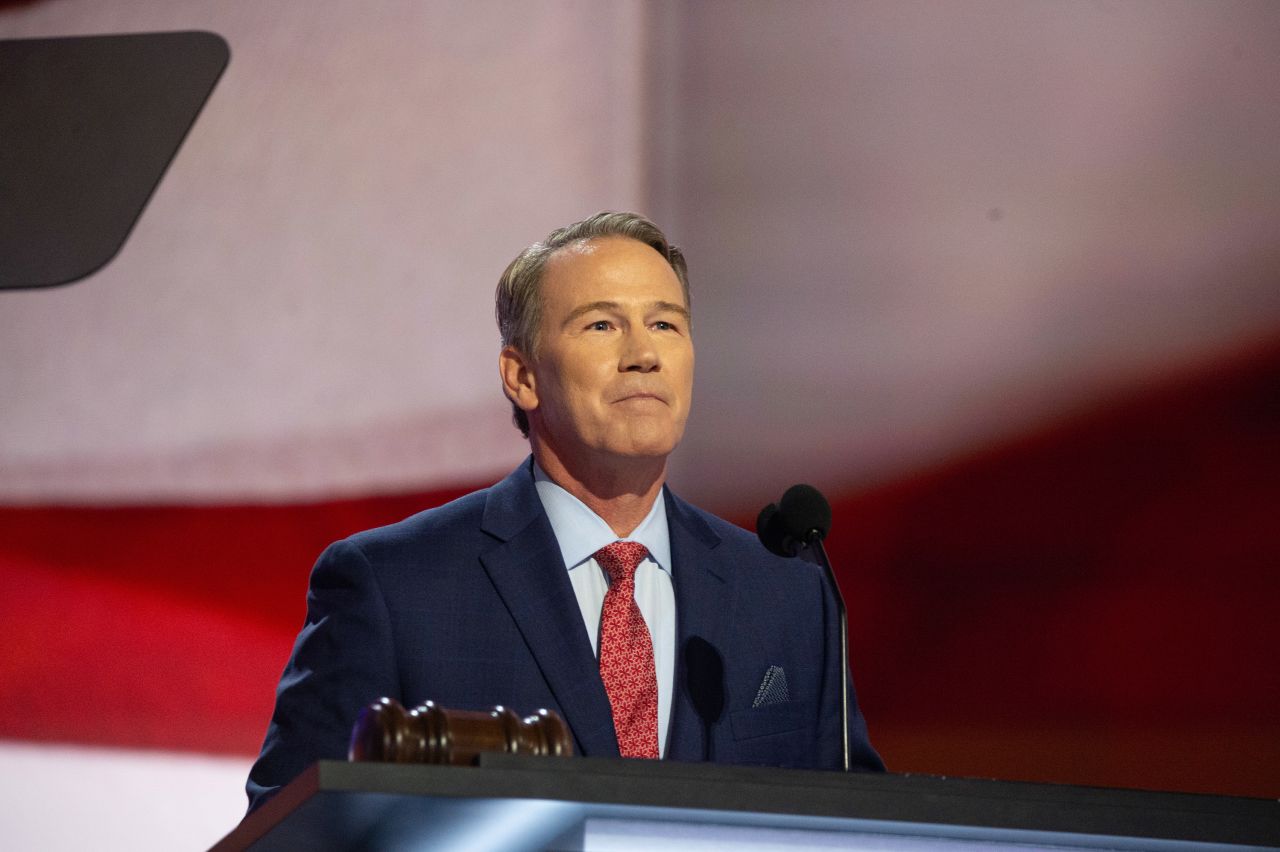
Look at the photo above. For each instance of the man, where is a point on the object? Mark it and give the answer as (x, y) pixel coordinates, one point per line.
(579, 583)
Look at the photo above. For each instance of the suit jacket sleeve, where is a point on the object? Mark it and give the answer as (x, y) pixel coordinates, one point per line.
(343, 660)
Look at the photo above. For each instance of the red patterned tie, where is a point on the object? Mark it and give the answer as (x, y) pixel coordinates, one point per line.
(626, 653)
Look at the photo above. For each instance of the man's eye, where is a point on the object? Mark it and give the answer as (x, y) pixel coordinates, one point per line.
(663, 325)
(599, 325)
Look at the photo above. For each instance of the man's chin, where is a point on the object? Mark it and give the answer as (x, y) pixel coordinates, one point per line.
(644, 446)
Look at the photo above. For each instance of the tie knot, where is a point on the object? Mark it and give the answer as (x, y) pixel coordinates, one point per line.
(619, 560)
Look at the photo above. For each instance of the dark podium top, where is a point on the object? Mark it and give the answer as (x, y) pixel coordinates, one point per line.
(515, 802)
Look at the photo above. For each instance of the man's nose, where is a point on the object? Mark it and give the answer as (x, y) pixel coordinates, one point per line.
(639, 353)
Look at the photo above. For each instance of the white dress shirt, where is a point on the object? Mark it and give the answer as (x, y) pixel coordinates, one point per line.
(580, 532)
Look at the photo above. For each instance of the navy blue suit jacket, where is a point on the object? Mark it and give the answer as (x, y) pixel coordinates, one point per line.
(469, 605)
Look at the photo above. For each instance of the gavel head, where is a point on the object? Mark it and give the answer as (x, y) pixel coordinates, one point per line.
(385, 731)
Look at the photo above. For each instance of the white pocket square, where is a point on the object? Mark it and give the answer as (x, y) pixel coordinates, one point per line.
(773, 689)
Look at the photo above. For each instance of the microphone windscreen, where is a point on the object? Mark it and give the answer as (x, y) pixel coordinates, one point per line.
(769, 529)
(802, 510)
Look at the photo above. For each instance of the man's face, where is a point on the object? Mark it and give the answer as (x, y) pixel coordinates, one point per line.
(613, 371)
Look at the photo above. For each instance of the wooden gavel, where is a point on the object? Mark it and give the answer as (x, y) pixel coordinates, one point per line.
(385, 731)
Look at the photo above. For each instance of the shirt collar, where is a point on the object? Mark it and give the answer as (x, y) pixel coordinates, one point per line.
(580, 532)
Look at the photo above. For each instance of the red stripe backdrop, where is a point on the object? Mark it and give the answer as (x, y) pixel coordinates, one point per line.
(1093, 603)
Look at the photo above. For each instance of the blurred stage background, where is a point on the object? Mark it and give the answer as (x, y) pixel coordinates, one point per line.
(1002, 278)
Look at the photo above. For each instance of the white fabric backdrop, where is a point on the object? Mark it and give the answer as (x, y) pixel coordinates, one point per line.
(914, 228)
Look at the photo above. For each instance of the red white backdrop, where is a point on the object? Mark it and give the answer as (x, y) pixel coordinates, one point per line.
(1003, 278)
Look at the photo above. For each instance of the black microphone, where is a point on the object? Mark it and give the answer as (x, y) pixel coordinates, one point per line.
(805, 514)
(794, 526)
(772, 535)
(802, 517)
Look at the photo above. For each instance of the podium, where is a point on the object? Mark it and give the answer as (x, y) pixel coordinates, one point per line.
(512, 802)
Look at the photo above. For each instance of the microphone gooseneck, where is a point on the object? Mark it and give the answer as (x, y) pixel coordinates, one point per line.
(796, 526)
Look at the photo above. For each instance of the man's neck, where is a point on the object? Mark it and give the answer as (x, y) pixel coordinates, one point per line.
(621, 492)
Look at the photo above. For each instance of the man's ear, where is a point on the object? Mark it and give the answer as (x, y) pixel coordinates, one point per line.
(518, 381)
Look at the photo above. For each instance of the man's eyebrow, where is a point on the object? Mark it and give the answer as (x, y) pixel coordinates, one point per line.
(673, 307)
(614, 306)
(588, 308)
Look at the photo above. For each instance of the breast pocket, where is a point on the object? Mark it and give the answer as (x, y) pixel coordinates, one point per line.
(770, 719)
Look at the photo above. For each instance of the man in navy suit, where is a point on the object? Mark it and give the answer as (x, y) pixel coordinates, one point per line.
(502, 597)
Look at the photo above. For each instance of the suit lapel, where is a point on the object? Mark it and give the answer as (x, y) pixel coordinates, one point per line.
(528, 571)
(702, 603)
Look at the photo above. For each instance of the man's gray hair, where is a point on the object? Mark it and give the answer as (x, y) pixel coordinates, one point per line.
(518, 302)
